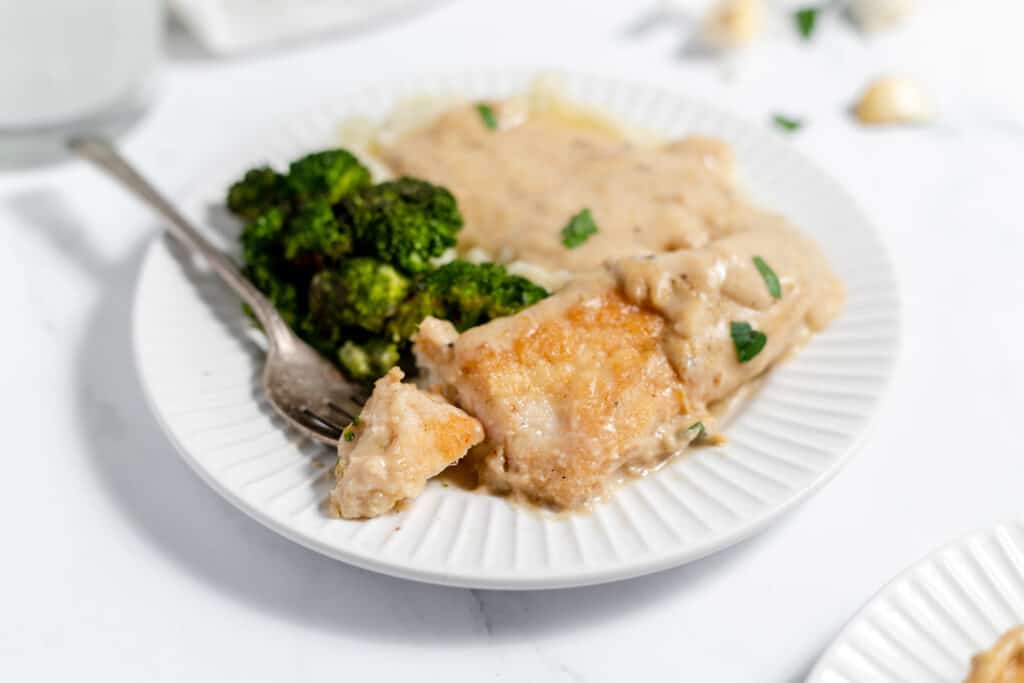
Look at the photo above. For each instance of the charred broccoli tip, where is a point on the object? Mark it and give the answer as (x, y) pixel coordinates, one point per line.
(468, 294)
(330, 175)
(361, 293)
(259, 190)
(405, 222)
(366, 362)
(262, 265)
(315, 239)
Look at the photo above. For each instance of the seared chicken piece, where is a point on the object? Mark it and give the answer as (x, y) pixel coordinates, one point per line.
(404, 436)
(684, 295)
(611, 373)
(1004, 663)
(570, 392)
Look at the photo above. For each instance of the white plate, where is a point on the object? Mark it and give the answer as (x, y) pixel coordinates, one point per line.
(199, 366)
(928, 622)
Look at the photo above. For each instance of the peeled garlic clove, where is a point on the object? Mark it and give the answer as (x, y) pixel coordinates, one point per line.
(875, 15)
(732, 23)
(893, 100)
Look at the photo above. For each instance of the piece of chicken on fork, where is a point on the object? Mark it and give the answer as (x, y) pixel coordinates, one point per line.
(403, 437)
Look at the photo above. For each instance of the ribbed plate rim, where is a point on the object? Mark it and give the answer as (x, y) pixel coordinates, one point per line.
(882, 595)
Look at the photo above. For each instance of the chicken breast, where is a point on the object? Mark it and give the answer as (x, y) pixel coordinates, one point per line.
(570, 392)
(611, 374)
(404, 436)
(684, 293)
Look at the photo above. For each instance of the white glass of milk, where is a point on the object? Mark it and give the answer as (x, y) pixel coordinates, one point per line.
(72, 65)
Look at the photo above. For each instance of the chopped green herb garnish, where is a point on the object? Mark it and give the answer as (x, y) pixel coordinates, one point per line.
(487, 115)
(579, 229)
(701, 432)
(348, 434)
(787, 124)
(356, 421)
(771, 280)
(747, 340)
(806, 18)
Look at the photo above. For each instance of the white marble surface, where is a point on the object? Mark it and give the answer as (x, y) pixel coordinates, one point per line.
(118, 564)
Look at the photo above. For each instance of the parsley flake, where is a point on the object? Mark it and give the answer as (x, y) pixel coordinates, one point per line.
(747, 340)
(701, 432)
(787, 124)
(806, 19)
(487, 115)
(771, 280)
(579, 229)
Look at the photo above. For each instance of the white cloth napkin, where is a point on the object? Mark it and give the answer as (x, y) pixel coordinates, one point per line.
(232, 26)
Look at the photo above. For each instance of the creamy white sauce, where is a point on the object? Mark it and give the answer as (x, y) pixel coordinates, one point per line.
(519, 186)
(674, 229)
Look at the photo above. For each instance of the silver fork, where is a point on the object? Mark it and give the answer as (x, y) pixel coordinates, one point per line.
(307, 390)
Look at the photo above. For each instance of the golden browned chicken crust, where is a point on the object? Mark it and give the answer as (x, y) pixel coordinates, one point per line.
(569, 391)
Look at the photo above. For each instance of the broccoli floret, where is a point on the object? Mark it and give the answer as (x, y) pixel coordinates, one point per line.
(349, 265)
(261, 235)
(330, 175)
(361, 292)
(405, 222)
(366, 362)
(260, 238)
(475, 293)
(259, 190)
(411, 312)
(468, 294)
(281, 293)
(314, 238)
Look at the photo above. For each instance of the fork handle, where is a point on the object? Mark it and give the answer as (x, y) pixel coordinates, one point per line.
(104, 155)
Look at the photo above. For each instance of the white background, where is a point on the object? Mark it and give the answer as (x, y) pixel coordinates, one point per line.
(118, 564)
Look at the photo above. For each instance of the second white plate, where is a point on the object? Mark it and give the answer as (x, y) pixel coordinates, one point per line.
(199, 364)
(929, 622)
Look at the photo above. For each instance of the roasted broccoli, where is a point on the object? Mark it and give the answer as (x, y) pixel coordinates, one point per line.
(361, 292)
(411, 312)
(315, 239)
(366, 362)
(350, 265)
(405, 222)
(261, 235)
(259, 190)
(263, 263)
(468, 294)
(330, 175)
(475, 293)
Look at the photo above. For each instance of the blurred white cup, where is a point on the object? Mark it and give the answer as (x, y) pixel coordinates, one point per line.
(71, 63)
